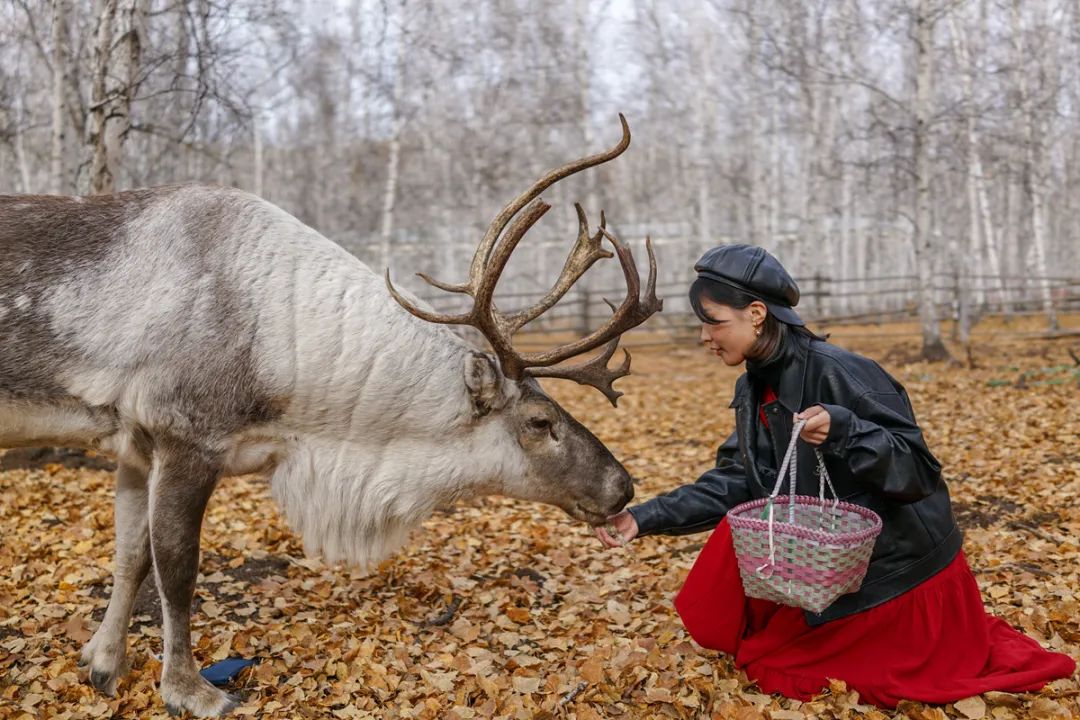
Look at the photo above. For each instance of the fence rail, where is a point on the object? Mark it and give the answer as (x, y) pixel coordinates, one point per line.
(1010, 295)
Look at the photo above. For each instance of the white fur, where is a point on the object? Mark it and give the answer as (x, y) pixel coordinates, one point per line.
(357, 502)
(69, 424)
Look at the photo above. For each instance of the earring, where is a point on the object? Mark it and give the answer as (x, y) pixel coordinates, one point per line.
(757, 331)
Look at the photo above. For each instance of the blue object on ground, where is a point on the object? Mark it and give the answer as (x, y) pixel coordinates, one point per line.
(220, 673)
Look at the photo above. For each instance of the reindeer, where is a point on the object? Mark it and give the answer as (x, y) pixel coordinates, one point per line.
(196, 332)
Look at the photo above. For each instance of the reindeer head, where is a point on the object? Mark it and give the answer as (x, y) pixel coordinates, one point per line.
(562, 462)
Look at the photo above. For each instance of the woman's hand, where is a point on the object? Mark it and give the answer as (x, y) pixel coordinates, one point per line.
(624, 524)
(817, 424)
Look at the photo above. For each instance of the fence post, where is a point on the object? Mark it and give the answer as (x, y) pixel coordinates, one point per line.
(583, 318)
(816, 292)
(960, 309)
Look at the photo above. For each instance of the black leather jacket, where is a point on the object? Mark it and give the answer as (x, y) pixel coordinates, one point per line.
(874, 453)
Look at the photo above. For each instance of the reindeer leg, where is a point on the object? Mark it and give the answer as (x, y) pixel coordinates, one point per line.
(181, 482)
(106, 652)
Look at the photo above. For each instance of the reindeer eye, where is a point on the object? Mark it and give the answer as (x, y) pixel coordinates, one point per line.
(540, 424)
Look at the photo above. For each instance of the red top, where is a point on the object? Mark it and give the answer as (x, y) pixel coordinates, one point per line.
(766, 397)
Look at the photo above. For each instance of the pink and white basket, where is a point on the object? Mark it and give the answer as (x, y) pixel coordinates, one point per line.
(819, 554)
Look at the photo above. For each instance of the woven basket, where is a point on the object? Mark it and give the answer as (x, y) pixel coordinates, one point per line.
(820, 553)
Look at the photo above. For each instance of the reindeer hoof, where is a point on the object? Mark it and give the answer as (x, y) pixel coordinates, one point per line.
(230, 705)
(104, 681)
(106, 663)
(201, 700)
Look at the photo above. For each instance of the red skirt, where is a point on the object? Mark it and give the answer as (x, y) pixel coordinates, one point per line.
(935, 643)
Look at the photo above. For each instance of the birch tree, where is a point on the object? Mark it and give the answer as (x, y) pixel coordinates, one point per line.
(57, 171)
(116, 75)
(1035, 162)
(922, 233)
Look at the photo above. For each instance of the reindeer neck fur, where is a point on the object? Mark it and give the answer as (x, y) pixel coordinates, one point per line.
(380, 426)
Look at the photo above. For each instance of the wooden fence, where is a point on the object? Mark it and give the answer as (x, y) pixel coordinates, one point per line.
(866, 300)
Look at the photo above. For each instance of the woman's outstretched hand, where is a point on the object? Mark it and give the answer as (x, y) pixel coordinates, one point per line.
(624, 524)
(817, 424)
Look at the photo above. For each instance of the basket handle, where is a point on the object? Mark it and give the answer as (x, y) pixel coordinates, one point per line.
(788, 466)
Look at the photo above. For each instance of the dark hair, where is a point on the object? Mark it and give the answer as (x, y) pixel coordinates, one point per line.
(773, 331)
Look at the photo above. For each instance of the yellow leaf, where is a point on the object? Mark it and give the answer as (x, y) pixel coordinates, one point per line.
(519, 615)
(618, 613)
(76, 629)
(658, 694)
(223, 649)
(786, 715)
(592, 670)
(973, 708)
(525, 685)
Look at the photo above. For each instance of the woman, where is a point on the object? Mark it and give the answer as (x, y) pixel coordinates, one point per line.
(916, 629)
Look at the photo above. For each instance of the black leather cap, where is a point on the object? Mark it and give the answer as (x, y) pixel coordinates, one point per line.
(755, 272)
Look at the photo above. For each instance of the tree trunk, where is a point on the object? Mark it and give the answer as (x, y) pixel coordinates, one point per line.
(757, 159)
(18, 146)
(705, 107)
(393, 159)
(969, 263)
(1035, 163)
(774, 197)
(933, 348)
(116, 70)
(257, 152)
(59, 92)
(100, 174)
(850, 242)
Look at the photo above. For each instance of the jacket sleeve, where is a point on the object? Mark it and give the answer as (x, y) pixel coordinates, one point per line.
(883, 446)
(700, 505)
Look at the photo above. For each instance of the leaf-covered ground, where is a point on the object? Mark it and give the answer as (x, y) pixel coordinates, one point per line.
(501, 608)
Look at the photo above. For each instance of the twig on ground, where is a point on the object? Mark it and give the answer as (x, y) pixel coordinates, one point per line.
(447, 616)
(569, 697)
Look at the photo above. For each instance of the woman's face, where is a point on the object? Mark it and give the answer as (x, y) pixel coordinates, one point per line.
(734, 331)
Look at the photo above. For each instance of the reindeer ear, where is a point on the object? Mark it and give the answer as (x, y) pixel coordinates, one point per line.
(484, 380)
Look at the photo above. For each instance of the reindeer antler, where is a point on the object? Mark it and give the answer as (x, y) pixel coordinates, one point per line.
(490, 259)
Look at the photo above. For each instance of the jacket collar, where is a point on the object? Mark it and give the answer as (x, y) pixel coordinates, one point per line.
(792, 379)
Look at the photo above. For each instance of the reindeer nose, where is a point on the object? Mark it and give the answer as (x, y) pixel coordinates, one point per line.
(626, 491)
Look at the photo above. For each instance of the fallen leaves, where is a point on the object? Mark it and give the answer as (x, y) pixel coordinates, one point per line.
(499, 608)
(973, 708)
(76, 629)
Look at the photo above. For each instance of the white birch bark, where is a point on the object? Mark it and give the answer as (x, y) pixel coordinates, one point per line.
(970, 261)
(257, 152)
(1035, 162)
(850, 242)
(59, 93)
(100, 174)
(393, 159)
(775, 188)
(18, 147)
(922, 235)
(808, 152)
(983, 240)
(706, 112)
(116, 67)
(756, 158)
(583, 82)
